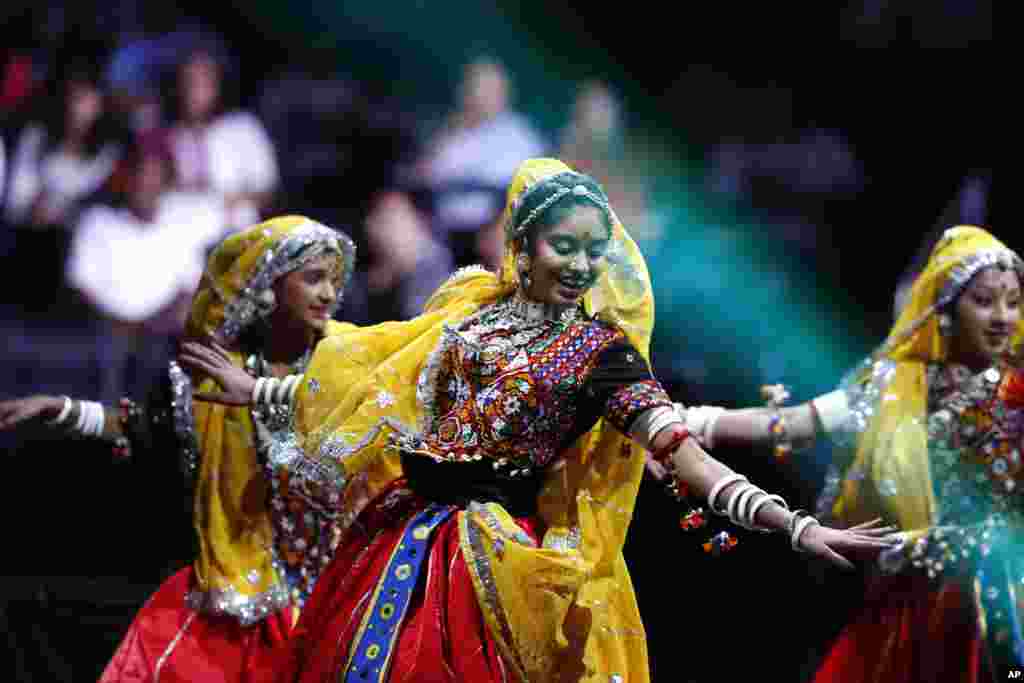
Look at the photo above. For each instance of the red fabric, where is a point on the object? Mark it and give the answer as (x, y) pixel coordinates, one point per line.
(211, 649)
(908, 632)
(443, 639)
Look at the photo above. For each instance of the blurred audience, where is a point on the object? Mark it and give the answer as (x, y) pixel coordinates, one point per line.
(595, 142)
(471, 160)
(218, 150)
(65, 155)
(139, 261)
(405, 264)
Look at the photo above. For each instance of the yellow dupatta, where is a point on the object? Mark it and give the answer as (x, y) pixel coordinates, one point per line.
(234, 571)
(891, 456)
(565, 611)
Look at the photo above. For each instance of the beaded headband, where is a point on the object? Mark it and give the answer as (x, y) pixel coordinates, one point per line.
(515, 231)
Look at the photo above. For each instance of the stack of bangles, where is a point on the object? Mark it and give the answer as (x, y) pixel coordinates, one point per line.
(745, 500)
(273, 391)
(91, 417)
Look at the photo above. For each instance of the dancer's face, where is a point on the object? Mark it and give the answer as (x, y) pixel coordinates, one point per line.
(987, 314)
(568, 257)
(305, 295)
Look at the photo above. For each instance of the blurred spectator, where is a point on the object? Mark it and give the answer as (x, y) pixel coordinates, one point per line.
(215, 150)
(406, 264)
(17, 81)
(65, 155)
(474, 156)
(490, 245)
(139, 263)
(594, 142)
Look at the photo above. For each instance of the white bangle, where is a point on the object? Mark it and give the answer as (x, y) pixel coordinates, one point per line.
(100, 419)
(739, 492)
(742, 507)
(294, 389)
(81, 419)
(270, 390)
(833, 410)
(800, 526)
(755, 506)
(91, 418)
(257, 390)
(64, 412)
(717, 488)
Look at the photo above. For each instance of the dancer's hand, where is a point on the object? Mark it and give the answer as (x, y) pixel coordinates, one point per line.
(863, 540)
(19, 410)
(213, 359)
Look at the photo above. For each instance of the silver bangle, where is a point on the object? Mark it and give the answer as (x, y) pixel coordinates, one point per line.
(740, 492)
(257, 390)
(292, 390)
(64, 412)
(798, 522)
(743, 506)
(756, 505)
(717, 488)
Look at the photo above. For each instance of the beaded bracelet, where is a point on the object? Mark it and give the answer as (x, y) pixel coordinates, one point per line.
(775, 395)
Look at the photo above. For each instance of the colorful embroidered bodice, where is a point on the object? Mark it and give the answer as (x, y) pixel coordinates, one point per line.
(974, 444)
(518, 389)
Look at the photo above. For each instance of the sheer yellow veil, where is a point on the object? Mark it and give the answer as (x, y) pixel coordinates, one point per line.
(891, 453)
(234, 571)
(562, 611)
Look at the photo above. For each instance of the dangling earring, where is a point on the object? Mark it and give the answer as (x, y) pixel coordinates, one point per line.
(945, 324)
(523, 265)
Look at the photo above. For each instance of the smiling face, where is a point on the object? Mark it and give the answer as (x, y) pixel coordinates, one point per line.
(569, 256)
(987, 314)
(305, 296)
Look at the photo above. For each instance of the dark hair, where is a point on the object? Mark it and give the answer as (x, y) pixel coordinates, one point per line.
(53, 115)
(227, 96)
(558, 211)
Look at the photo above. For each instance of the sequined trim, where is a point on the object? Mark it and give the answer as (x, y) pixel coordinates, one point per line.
(171, 647)
(472, 543)
(962, 273)
(500, 534)
(183, 419)
(304, 244)
(247, 609)
(563, 542)
(319, 483)
(863, 398)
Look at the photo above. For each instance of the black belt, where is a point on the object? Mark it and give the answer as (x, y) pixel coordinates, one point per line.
(458, 483)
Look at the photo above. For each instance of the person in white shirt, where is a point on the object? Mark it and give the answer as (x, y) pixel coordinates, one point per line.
(226, 153)
(137, 263)
(474, 157)
(64, 156)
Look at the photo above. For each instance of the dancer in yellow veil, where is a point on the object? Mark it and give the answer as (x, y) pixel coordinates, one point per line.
(502, 435)
(267, 295)
(928, 435)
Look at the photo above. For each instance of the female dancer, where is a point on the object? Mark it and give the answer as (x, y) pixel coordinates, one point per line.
(928, 436)
(268, 295)
(502, 433)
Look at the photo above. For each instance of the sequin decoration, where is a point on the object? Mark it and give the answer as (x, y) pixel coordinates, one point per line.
(182, 418)
(303, 245)
(505, 383)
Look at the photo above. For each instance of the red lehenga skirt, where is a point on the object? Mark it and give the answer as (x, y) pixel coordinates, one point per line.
(168, 642)
(909, 631)
(440, 635)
